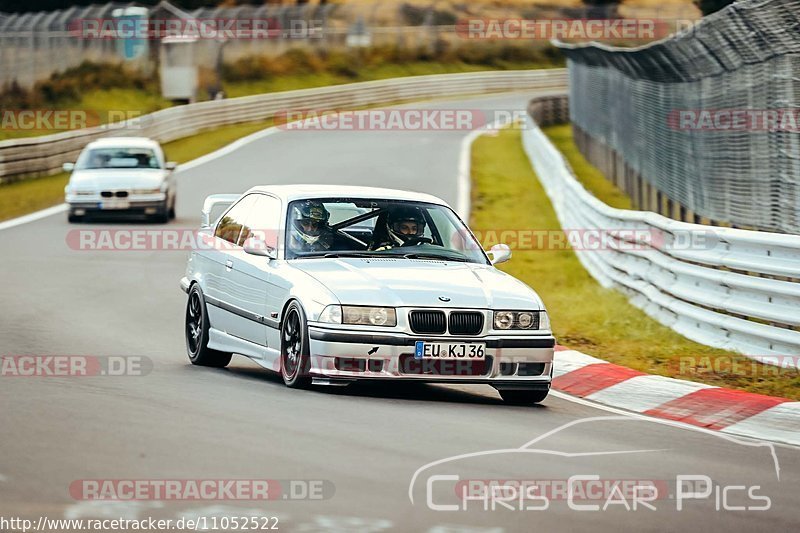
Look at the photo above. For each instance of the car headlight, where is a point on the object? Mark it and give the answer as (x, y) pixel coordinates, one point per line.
(374, 316)
(332, 314)
(544, 320)
(154, 190)
(521, 320)
(76, 192)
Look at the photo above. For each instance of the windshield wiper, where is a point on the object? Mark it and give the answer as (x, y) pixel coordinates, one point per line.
(335, 254)
(435, 256)
(349, 254)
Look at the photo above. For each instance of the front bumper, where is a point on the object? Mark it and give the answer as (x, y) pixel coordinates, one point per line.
(517, 361)
(145, 204)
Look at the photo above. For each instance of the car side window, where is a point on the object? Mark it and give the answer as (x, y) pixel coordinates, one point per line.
(263, 221)
(229, 226)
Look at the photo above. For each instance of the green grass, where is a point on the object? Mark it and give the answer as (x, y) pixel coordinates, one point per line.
(98, 103)
(22, 197)
(192, 147)
(507, 195)
(591, 178)
(27, 196)
(138, 101)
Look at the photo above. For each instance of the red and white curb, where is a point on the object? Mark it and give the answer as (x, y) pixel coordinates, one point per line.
(729, 411)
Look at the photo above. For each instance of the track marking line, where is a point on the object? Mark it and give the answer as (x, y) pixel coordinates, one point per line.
(32, 217)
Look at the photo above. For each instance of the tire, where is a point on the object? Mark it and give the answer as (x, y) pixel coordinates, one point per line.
(73, 219)
(171, 213)
(523, 397)
(294, 348)
(196, 332)
(162, 217)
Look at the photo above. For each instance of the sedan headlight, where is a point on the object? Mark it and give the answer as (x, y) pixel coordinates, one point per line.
(331, 314)
(521, 320)
(544, 320)
(374, 316)
(76, 192)
(359, 316)
(154, 190)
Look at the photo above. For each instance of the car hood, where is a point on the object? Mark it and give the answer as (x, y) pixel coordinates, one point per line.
(122, 178)
(419, 283)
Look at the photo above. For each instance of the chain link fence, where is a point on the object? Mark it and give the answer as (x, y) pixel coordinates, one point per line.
(708, 120)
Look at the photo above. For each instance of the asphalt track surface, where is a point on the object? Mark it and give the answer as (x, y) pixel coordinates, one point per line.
(185, 422)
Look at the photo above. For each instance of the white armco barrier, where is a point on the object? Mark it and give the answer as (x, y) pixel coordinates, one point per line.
(46, 154)
(721, 287)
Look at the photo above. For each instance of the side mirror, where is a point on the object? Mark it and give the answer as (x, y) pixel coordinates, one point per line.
(68, 167)
(500, 253)
(171, 165)
(218, 203)
(254, 246)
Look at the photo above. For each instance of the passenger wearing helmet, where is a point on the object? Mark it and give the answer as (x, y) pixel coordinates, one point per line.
(405, 226)
(310, 231)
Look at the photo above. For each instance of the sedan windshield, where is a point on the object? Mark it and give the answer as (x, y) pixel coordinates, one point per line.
(344, 227)
(118, 158)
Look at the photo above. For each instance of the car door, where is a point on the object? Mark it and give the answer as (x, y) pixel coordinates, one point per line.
(249, 275)
(220, 259)
(268, 218)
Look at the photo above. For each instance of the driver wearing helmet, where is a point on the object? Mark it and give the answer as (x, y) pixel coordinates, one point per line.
(310, 231)
(405, 226)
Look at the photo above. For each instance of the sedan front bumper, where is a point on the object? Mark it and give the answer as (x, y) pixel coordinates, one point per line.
(138, 204)
(510, 362)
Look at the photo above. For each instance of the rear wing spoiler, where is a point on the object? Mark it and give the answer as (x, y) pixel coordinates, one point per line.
(213, 207)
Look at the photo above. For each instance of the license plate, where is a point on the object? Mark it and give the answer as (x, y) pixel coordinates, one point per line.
(468, 351)
(115, 204)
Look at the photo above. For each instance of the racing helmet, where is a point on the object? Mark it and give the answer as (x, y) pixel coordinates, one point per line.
(309, 219)
(405, 223)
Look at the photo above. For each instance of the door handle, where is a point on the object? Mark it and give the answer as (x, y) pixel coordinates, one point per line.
(229, 265)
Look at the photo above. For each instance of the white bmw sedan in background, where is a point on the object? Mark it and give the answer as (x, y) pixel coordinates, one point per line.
(331, 284)
(121, 175)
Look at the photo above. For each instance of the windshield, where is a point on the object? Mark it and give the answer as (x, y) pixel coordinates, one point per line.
(344, 227)
(118, 158)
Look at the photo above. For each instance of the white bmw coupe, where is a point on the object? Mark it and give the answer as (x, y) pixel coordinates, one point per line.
(328, 285)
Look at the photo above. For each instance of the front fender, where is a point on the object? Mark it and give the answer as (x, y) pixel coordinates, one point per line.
(313, 295)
